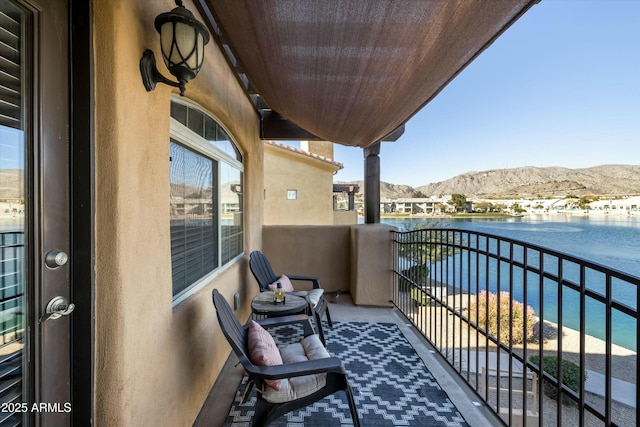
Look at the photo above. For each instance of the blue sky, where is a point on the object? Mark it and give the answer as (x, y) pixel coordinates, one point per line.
(561, 87)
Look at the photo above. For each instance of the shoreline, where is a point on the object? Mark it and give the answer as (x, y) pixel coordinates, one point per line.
(540, 215)
(572, 336)
(461, 297)
(623, 360)
(467, 345)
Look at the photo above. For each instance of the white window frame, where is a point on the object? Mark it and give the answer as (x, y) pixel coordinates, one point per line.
(197, 143)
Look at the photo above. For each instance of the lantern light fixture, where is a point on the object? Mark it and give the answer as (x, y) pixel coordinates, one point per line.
(182, 40)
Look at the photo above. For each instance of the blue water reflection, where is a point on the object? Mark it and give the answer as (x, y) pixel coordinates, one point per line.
(613, 243)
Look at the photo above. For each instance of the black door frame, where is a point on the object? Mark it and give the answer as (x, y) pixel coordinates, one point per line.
(82, 209)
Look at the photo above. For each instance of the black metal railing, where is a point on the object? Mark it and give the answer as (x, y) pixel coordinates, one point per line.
(11, 325)
(542, 337)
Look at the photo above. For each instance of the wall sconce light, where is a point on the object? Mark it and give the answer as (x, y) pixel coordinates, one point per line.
(182, 40)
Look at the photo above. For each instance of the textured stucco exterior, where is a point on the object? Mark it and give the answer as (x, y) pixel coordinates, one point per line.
(371, 264)
(346, 258)
(155, 363)
(312, 179)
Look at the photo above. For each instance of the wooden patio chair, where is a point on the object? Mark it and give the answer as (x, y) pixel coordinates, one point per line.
(262, 271)
(307, 373)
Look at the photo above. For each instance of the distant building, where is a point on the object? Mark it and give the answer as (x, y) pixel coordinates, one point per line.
(627, 205)
(298, 183)
(418, 205)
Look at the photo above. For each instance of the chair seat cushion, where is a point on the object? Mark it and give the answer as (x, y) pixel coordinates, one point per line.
(310, 348)
(284, 281)
(313, 296)
(263, 350)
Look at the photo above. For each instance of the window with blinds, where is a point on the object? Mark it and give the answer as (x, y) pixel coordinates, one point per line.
(193, 223)
(10, 67)
(206, 198)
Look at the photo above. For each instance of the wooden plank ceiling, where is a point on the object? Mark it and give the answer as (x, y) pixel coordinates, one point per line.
(351, 71)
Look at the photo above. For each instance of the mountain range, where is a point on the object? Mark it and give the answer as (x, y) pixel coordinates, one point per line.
(11, 183)
(528, 182)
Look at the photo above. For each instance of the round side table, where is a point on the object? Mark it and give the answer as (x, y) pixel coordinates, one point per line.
(263, 305)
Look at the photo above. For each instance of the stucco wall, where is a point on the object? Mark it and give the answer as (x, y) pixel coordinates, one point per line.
(346, 258)
(345, 217)
(371, 264)
(155, 364)
(321, 251)
(311, 178)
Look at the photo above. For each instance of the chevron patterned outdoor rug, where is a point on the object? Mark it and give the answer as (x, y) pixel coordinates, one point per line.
(391, 384)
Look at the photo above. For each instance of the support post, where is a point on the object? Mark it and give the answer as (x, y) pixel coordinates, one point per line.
(352, 198)
(372, 184)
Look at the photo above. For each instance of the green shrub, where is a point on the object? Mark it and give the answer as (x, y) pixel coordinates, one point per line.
(487, 316)
(417, 274)
(420, 297)
(570, 376)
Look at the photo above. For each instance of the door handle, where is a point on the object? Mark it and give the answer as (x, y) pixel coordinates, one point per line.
(56, 308)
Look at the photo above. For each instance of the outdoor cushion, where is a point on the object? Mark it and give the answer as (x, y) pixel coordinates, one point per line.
(284, 281)
(263, 350)
(331, 375)
(310, 348)
(313, 296)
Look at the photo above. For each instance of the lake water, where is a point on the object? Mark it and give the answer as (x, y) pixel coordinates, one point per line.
(611, 241)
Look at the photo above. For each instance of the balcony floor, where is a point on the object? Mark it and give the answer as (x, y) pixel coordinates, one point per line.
(342, 309)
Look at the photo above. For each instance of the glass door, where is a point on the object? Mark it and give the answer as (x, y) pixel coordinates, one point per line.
(12, 217)
(34, 214)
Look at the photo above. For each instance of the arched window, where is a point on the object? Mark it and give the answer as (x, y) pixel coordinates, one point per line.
(206, 198)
